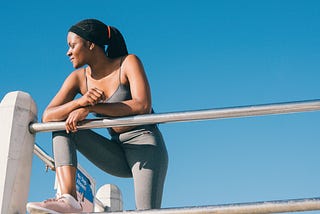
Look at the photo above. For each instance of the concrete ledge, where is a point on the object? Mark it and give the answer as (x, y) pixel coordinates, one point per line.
(17, 111)
(294, 205)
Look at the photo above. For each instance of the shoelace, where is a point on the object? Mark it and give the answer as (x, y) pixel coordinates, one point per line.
(57, 198)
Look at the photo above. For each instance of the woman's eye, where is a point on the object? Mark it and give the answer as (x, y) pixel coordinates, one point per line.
(71, 45)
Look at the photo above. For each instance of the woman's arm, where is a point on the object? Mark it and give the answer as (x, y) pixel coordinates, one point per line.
(140, 92)
(64, 103)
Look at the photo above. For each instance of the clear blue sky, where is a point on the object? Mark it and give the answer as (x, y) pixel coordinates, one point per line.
(197, 55)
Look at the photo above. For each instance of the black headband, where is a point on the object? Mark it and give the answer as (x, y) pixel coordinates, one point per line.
(101, 34)
(99, 38)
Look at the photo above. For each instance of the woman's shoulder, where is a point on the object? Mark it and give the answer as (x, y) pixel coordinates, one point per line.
(78, 72)
(133, 67)
(131, 60)
(77, 75)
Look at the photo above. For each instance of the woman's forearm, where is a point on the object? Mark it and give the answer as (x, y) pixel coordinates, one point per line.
(59, 113)
(119, 109)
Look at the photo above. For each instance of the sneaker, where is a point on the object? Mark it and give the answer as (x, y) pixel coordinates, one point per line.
(63, 204)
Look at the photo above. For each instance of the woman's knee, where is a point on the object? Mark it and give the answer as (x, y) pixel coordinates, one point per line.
(64, 149)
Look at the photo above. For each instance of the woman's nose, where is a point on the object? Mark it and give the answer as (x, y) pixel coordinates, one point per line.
(68, 52)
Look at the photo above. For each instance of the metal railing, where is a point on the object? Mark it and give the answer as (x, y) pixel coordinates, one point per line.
(279, 206)
(48, 161)
(198, 115)
(209, 114)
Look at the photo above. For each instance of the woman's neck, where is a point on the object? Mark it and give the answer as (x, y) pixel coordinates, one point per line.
(101, 66)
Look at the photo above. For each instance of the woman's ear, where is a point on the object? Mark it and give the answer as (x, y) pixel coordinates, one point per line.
(91, 45)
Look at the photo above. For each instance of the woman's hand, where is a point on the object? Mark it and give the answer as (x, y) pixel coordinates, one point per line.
(74, 117)
(91, 97)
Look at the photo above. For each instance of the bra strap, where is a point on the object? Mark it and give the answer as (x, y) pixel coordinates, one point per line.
(85, 76)
(121, 61)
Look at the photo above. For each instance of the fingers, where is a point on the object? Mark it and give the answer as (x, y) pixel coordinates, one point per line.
(71, 124)
(95, 95)
(74, 117)
(102, 96)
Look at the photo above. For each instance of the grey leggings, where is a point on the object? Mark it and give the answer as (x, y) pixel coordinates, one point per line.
(139, 153)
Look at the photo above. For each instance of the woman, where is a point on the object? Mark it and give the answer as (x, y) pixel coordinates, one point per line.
(112, 84)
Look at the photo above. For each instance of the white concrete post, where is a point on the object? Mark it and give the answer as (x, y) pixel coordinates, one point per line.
(108, 199)
(17, 111)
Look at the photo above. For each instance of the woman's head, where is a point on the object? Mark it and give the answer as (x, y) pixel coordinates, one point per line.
(100, 34)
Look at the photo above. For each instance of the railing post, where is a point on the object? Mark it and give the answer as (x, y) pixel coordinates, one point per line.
(17, 111)
(108, 199)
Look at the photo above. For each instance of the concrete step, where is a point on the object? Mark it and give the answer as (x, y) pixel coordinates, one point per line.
(294, 205)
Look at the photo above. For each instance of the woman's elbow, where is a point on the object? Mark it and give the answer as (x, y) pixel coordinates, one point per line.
(45, 118)
(145, 108)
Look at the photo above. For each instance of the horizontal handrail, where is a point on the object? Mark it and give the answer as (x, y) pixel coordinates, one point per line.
(306, 204)
(280, 206)
(196, 115)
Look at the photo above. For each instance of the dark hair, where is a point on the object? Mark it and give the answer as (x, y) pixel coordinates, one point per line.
(101, 34)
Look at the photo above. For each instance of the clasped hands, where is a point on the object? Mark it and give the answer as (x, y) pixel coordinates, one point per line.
(92, 97)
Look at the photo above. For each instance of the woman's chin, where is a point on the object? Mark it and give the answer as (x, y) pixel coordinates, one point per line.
(76, 65)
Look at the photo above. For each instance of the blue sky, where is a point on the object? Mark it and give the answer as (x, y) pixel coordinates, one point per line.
(197, 55)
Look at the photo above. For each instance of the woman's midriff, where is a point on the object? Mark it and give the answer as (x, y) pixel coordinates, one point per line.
(122, 129)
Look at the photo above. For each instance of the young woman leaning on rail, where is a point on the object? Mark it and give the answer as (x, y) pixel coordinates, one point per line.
(112, 83)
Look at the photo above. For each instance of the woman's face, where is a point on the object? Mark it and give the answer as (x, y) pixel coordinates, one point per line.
(77, 50)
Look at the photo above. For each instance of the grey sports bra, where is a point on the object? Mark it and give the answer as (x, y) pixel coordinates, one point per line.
(122, 93)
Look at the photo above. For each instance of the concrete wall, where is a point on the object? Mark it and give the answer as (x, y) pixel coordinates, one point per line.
(17, 111)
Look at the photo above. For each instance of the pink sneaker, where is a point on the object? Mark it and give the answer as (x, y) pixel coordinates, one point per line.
(63, 204)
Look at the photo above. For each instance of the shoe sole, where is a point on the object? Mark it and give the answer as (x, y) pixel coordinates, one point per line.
(40, 210)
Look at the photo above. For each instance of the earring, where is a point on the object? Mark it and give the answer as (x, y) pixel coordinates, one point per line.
(91, 46)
